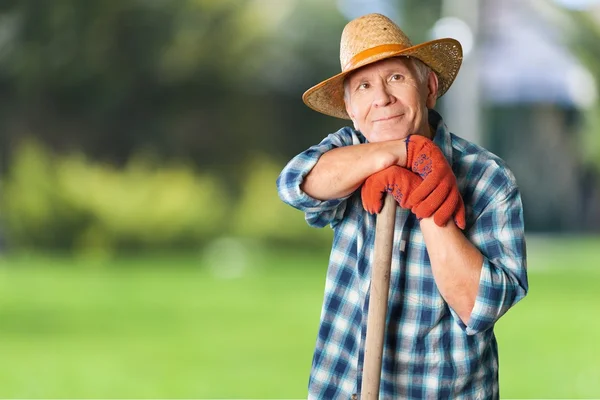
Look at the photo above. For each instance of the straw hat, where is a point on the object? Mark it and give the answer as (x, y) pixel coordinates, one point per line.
(372, 38)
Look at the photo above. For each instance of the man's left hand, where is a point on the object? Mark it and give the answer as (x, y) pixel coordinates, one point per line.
(438, 194)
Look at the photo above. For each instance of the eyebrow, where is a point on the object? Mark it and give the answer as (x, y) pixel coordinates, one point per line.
(360, 75)
(356, 77)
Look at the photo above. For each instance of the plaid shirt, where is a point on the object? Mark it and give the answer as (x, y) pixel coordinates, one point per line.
(428, 351)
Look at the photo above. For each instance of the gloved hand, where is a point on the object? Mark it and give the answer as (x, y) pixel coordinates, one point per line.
(438, 194)
(396, 180)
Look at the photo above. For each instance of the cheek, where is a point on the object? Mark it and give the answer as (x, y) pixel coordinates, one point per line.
(354, 114)
(360, 111)
(418, 105)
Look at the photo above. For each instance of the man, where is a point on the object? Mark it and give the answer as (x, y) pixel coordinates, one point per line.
(457, 266)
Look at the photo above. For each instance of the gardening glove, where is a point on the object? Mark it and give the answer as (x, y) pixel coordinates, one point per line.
(396, 180)
(438, 194)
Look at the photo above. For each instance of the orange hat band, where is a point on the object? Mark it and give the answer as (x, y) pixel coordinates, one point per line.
(363, 55)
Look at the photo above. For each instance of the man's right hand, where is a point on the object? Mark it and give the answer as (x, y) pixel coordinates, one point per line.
(438, 194)
(341, 171)
(401, 183)
(397, 181)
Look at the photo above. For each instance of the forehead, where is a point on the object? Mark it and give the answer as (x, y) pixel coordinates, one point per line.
(391, 64)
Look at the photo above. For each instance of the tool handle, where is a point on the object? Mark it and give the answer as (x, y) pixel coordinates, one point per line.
(378, 299)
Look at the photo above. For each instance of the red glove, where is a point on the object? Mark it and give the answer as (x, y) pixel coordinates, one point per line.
(438, 195)
(396, 180)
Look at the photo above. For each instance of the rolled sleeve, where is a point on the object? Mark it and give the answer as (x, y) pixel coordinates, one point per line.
(318, 213)
(499, 235)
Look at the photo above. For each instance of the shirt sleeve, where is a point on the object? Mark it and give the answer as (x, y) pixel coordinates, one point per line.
(318, 213)
(499, 235)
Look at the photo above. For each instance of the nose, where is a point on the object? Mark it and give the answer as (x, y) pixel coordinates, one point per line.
(382, 96)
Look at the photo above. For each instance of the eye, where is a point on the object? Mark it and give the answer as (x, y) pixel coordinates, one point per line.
(396, 77)
(363, 86)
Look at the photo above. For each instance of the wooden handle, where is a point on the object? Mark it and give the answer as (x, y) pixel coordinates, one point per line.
(378, 300)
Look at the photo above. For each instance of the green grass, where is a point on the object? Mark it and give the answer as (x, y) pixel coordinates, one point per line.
(172, 326)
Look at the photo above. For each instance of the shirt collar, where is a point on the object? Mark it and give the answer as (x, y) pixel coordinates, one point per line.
(442, 136)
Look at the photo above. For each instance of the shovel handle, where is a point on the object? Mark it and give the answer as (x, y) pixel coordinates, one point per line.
(378, 299)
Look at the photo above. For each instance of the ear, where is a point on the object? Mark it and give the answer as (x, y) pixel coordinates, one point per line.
(350, 114)
(432, 90)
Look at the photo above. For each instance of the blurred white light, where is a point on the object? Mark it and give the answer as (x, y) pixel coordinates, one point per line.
(581, 86)
(577, 4)
(452, 27)
(9, 25)
(226, 258)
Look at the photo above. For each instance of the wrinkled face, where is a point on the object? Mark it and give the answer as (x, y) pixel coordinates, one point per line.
(386, 100)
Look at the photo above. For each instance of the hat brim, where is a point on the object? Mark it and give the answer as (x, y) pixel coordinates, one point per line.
(443, 56)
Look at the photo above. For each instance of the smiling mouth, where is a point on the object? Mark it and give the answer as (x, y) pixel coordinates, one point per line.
(388, 118)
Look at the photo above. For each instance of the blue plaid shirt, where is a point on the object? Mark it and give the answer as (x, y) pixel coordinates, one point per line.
(428, 351)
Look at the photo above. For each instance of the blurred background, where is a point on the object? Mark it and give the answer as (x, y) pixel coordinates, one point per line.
(144, 252)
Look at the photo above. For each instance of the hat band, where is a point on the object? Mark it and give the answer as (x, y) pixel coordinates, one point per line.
(363, 55)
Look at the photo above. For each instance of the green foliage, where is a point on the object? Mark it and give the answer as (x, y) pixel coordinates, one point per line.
(590, 137)
(33, 210)
(70, 202)
(261, 215)
(583, 33)
(200, 80)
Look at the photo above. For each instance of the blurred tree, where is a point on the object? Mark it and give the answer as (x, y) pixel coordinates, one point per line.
(205, 80)
(583, 33)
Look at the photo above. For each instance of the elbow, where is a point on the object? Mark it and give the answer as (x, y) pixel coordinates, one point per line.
(279, 185)
(465, 315)
(307, 186)
(284, 189)
(489, 309)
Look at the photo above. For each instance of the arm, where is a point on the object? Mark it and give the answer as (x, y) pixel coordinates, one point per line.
(328, 208)
(341, 171)
(318, 213)
(455, 263)
(480, 286)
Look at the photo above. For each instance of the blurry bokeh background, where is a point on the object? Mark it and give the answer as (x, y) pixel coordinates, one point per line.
(143, 249)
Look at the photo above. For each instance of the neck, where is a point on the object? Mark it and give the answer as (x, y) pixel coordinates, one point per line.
(431, 132)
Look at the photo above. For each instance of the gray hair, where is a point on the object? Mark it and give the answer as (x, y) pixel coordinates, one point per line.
(422, 71)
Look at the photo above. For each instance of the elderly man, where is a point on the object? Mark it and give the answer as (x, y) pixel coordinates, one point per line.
(457, 266)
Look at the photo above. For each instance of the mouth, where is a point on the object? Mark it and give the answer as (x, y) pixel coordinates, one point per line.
(391, 117)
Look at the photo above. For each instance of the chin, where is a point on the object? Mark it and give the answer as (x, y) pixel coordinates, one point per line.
(390, 135)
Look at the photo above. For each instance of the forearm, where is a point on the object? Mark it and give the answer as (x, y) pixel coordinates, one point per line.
(341, 171)
(456, 265)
